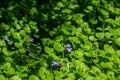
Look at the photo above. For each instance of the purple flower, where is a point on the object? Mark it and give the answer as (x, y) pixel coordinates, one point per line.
(55, 64)
(28, 51)
(68, 48)
(110, 42)
(106, 29)
(31, 39)
(7, 39)
(68, 45)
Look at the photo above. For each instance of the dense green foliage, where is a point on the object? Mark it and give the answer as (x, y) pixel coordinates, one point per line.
(59, 40)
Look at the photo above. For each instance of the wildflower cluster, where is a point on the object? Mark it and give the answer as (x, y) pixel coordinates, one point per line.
(7, 39)
(68, 48)
(28, 51)
(31, 39)
(55, 64)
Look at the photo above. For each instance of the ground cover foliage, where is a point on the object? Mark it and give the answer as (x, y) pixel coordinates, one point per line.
(59, 40)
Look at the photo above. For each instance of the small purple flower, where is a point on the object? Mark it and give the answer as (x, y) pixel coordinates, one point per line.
(68, 45)
(31, 39)
(7, 39)
(106, 29)
(110, 42)
(28, 51)
(68, 48)
(55, 64)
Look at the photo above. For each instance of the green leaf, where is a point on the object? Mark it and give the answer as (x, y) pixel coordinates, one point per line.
(60, 4)
(2, 43)
(52, 33)
(42, 71)
(12, 31)
(21, 68)
(83, 67)
(89, 9)
(101, 18)
(96, 70)
(5, 51)
(108, 65)
(117, 21)
(74, 39)
(93, 21)
(10, 8)
(12, 53)
(50, 77)
(64, 1)
(85, 38)
(22, 32)
(64, 29)
(18, 27)
(68, 11)
(21, 22)
(117, 41)
(59, 38)
(103, 76)
(57, 73)
(18, 45)
(109, 20)
(88, 77)
(96, 2)
(72, 30)
(2, 77)
(48, 50)
(100, 35)
(16, 77)
(92, 38)
(105, 13)
(68, 17)
(27, 28)
(22, 50)
(8, 59)
(73, 6)
(77, 54)
(78, 31)
(85, 25)
(10, 71)
(118, 53)
(71, 76)
(47, 41)
(34, 63)
(33, 11)
(56, 8)
(117, 11)
(108, 49)
(33, 77)
(6, 66)
(58, 47)
(16, 35)
(33, 26)
(10, 42)
(108, 35)
(110, 75)
(5, 26)
(58, 78)
(23, 75)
